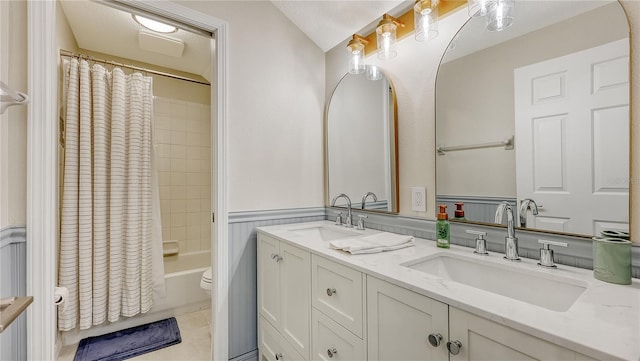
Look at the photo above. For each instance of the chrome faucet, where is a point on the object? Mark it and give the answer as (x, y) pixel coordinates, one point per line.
(510, 241)
(525, 205)
(373, 195)
(347, 222)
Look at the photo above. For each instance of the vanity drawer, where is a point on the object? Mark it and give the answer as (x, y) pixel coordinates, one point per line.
(332, 342)
(337, 291)
(272, 345)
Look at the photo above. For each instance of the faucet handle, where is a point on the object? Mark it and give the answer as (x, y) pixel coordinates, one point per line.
(339, 219)
(361, 218)
(481, 242)
(546, 254)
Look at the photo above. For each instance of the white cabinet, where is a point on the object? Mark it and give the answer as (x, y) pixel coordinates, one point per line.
(332, 342)
(337, 291)
(284, 291)
(313, 308)
(400, 322)
(481, 339)
(272, 345)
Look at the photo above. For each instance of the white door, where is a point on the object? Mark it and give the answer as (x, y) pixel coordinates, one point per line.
(572, 134)
(400, 322)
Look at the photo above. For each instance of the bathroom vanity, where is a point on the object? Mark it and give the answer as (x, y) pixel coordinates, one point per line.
(424, 303)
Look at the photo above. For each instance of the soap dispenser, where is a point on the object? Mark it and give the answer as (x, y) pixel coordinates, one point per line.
(442, 228)
(459, 212)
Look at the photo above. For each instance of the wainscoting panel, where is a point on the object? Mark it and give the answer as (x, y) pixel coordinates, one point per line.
(13, 282)
(243, 291)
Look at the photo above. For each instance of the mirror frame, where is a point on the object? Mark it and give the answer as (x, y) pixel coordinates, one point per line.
(503, 226)
(393, 127)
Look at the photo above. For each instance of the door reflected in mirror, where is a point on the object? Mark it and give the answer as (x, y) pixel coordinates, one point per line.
(361, 143)
(538, 116)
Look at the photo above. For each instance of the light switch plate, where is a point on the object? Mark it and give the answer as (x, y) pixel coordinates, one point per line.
(419, 199)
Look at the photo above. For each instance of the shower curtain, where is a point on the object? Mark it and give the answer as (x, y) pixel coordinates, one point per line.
(106, 233)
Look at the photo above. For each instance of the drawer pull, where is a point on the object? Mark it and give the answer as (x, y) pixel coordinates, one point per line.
(332, 351)
(331, 291)
(435, 339)
(276, 257)
(278, 356)
(454, 347)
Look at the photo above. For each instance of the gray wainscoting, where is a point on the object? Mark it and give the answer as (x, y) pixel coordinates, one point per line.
(13, 282)
(479, 209)
(243, 292)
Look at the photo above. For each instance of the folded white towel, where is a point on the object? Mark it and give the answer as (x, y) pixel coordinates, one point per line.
(374, 243)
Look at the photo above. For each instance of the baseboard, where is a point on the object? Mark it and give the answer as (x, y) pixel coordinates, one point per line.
(249, 356)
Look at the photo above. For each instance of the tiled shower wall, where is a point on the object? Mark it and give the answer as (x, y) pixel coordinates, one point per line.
(182, 143)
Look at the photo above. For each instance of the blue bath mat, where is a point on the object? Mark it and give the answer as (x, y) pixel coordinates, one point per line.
(135, 341)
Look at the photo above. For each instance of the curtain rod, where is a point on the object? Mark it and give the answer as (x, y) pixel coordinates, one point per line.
(70, 54)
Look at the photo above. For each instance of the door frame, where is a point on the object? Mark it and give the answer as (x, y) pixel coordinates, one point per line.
(42, 164)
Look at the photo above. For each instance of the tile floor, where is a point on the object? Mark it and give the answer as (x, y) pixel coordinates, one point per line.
(195, 345)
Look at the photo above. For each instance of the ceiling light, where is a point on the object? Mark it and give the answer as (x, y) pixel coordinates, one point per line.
(355, 52)
(154, 25)
(387, 38)
(426, 19)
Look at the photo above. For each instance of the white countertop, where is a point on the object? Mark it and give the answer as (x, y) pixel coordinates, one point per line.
(604, 322)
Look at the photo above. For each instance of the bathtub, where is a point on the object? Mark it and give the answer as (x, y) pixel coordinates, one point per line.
(182, 275)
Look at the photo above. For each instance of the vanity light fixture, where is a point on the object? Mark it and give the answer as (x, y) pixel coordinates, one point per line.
(373, 72)
(426, 19)
(386, 36)
(154, 25)
(355, 52)
(501, 15)
(478, 8)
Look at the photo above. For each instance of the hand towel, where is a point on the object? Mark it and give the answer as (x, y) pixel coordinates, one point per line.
(374, 243)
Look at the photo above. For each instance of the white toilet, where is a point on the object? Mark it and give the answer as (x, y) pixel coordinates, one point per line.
(206, 281)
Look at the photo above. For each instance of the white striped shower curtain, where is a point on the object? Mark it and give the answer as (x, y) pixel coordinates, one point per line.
(106, 230)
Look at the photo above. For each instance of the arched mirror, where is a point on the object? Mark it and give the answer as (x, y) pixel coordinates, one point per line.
(537, 116)
(361, 143)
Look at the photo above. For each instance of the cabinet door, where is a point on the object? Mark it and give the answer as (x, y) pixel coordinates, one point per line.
(269, 279)
(272, 346)
(332, 342)
(400, 322)
(482, 339)
(337, 292)
(295, 286)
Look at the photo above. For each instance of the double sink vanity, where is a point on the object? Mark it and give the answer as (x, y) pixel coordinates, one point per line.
(427, 303)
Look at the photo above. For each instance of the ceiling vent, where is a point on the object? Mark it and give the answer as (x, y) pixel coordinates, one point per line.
(161, 44)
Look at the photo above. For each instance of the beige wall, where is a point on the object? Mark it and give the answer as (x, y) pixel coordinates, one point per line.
(264, 168)
(489, 118)
(413, 74)
(275, 108)
(13, 123)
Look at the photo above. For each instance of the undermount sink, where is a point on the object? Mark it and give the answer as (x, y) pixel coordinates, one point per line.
(552, 292)
(324, 233)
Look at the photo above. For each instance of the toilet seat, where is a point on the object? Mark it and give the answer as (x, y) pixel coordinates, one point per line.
(206, 280)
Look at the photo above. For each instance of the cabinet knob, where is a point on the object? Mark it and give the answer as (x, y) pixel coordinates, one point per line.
(279, 356)
(276, 257)
(454, 347)
(332, 351)
(435, 339)
(331, 291)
